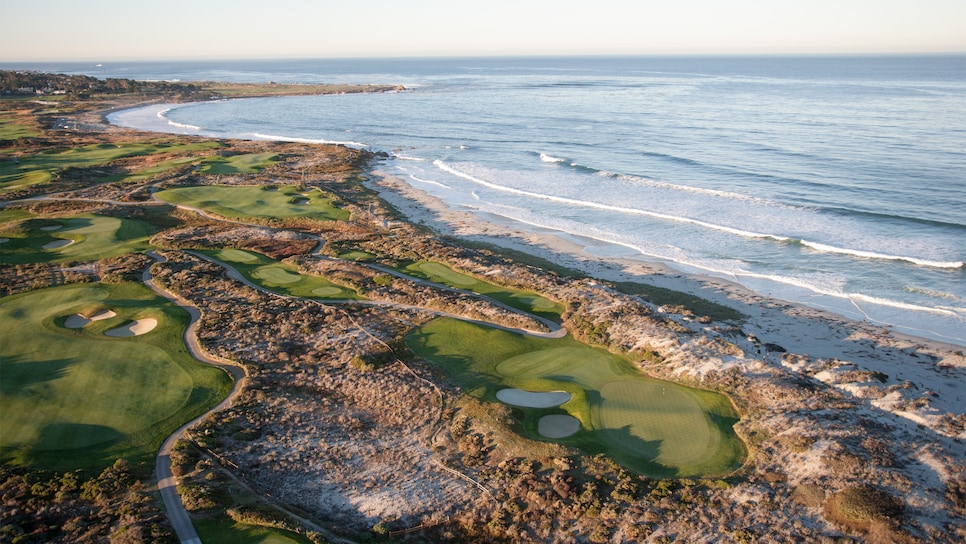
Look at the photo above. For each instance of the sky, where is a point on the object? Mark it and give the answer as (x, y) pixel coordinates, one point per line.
(103, 30)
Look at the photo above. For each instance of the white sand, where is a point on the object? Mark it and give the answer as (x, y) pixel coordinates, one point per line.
(57, 244)
(51, 227)
(78, 321)
(4, 240)
(137, 328)
(558, 426)
(532, 399)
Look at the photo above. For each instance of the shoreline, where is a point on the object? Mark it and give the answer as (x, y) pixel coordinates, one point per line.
(816, 333)
(931, 324)
(797, 328)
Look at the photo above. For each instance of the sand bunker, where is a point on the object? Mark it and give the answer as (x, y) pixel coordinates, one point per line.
(136, 328)
(558, 426)
(531, 399)
(56, 244)
(51, 227)
(77, 321)
(4, 240)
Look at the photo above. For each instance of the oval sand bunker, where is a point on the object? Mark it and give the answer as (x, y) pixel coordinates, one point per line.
(77, 321)
(57, 244)
(137, 328)
(558, 426)
(531, 399)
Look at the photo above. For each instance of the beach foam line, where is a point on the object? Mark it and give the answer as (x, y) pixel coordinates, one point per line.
(551, 159)
(825, 248)
(428, 181)
(163, 115)
(609, 207)
(947, 311)
(348, 143)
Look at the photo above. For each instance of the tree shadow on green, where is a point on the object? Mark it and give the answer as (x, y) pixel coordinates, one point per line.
(20, 374)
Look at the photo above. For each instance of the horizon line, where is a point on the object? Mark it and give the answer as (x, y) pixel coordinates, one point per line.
(498, 56)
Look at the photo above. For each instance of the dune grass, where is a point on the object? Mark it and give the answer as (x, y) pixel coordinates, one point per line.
(280, 277)
(263, 201)
(527, 301)
(92, 237)
(651, 426)
(78, 399)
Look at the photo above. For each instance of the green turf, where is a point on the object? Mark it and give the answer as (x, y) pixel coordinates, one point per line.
(13, 214)
(93, 237)
(10, 129)
(654, 427)
(357, 255)
(265, 201)
(522, 300)
(281, 277)
(42, 167)
(226, 531)
(238, 164)
(78, 399)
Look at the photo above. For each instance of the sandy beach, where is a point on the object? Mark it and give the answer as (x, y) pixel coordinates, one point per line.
(819, 335)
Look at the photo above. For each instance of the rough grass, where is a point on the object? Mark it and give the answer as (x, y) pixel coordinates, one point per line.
(77, 399)
(527, 301)
(94, 237)
(654, 427)
(280, 277)
(11, 128)
(265, 201)
(44, 166)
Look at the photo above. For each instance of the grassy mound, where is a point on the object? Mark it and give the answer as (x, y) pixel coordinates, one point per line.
(265, 201)
(75, 398)
(651, 426)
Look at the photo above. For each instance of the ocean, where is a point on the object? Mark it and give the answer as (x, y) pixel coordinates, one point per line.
(836, 182)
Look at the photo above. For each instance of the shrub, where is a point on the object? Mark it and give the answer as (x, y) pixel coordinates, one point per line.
(858, 506)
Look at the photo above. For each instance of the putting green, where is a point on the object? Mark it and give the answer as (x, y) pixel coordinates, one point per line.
(265, 201)
(76, 398)
(276, 275)
(655, 427)
(515, 298)
(280, 277)
(80, 238)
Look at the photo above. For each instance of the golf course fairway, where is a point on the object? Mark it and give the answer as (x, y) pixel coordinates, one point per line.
(261, 201)
(651, 426)
(75, 397)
